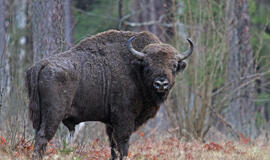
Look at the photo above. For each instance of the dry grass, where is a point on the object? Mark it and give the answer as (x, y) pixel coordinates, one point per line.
(167, 148)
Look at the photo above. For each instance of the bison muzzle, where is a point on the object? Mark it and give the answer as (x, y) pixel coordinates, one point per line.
(115, 77)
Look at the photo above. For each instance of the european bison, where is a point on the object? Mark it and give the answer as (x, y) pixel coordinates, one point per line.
(116, 77)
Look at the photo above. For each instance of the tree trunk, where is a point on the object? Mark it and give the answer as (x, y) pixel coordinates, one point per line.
(2, 49)
(2, 30)
(51, 30)
(68, 23)
(240, 65)
(48, 28)
(13, 63)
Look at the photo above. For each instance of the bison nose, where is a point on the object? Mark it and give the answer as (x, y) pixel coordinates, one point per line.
(161, 85)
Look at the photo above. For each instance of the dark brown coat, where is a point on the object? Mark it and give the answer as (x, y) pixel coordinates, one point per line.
(100, 80)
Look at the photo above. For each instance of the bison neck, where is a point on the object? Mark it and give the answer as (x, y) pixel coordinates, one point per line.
(151, 100)
(151, 105)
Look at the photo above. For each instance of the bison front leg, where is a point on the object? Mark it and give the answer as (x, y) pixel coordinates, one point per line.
(109, 131)
(121, 136)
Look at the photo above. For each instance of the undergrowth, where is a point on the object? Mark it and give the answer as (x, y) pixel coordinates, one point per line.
(144, 148)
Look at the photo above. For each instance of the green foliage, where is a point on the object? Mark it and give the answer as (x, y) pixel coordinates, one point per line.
(212, 22)
(96, 17)
(260, 18)
(262, 101)
(259, 120)
(77, 158)
(65, 150)
(259, 13)
(213, 9)
(252, 6)
(260, 40)
(100, 17)
(262, 98)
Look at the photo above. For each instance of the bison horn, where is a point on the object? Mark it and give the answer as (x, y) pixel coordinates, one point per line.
(187, 53)
(139, 55)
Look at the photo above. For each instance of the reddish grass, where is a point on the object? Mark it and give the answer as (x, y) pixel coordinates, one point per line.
(145, 148)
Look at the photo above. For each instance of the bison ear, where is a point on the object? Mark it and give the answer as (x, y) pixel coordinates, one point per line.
(181, 65)
(138, 62)
(138, 65)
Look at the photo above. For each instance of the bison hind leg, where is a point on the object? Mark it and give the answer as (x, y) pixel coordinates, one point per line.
(40, 145)
(48, 128)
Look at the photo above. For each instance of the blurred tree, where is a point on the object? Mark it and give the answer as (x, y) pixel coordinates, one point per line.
(240, 67)
(2, 48)
(2, 30)
(13, 64)
(68, 23)
(162, 15)
(48, 28)
(259, 11)
(265, 2)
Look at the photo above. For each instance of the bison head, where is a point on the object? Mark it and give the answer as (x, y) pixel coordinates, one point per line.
(159, 64)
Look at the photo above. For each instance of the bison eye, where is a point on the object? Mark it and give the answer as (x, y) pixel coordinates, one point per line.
(181, 65)
(175, 67)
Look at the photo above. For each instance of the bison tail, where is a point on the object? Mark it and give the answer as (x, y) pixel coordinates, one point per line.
(32, 77)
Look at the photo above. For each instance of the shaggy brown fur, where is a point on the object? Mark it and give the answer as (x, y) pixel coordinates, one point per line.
(100, 80)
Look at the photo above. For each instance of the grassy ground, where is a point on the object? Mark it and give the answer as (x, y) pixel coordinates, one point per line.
(144, 149)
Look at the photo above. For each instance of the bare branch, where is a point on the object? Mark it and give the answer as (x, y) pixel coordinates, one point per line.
(120, 8)
(136, 24)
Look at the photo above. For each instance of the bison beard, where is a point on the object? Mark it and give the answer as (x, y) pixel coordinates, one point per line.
(115, 77)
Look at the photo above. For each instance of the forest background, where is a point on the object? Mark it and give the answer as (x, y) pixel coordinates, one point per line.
(223, 95)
